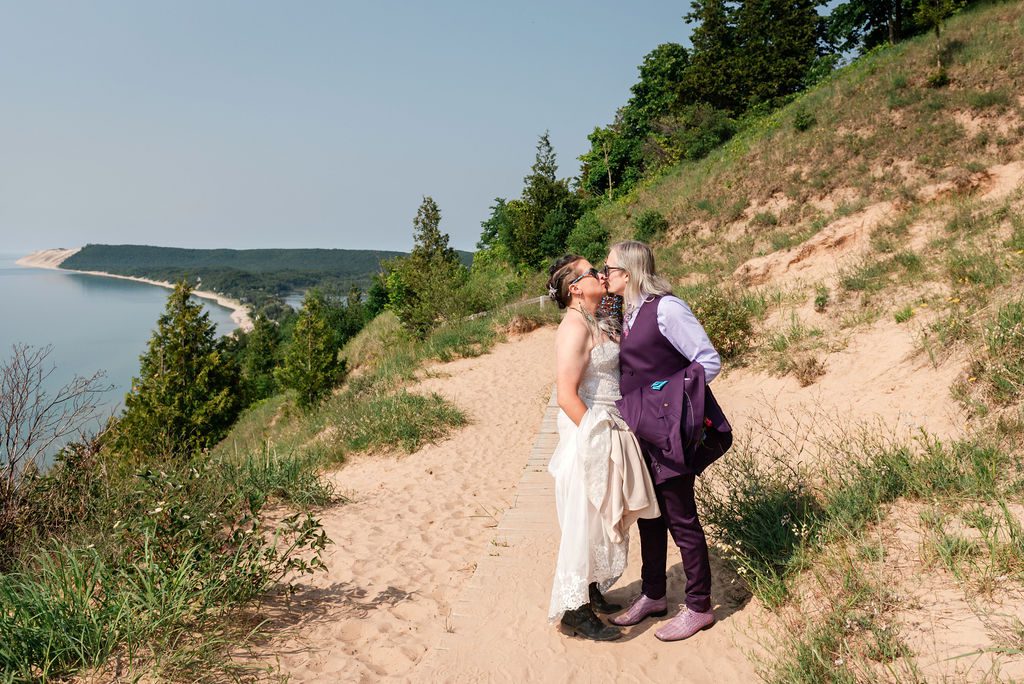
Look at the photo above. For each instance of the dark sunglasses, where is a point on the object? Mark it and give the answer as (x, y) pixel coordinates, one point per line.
(607, 270)
(589, 273)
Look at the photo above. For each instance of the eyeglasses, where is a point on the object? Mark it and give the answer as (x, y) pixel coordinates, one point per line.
(589, 273)
(607, 270)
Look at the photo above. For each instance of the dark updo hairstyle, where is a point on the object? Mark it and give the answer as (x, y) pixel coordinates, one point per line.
(558, 280)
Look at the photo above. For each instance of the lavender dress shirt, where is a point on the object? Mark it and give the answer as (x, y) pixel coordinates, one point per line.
(680, 327)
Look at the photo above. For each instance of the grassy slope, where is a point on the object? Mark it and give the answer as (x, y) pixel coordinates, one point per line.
(868, 116)
(912, 166)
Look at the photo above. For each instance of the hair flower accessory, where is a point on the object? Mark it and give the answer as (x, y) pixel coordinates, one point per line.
(553, 292)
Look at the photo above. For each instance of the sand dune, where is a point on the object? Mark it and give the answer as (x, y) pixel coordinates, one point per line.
(441, 567)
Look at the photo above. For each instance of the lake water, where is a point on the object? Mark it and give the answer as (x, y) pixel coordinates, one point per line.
(93, 323)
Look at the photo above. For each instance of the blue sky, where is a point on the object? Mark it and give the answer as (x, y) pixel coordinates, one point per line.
(309, 124)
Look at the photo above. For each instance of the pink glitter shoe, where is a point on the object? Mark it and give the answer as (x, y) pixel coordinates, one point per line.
(685, 624)
(640, 608)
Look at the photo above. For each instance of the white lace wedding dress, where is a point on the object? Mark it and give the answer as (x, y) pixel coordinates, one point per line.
(592, 549)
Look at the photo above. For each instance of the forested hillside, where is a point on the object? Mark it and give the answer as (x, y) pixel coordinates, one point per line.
(256, 276)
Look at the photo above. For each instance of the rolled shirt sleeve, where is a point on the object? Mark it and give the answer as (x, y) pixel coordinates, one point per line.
(678, 324)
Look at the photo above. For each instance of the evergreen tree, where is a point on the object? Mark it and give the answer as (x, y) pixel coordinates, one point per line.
(421, 286)
(778, 44)
(259, 359)
(429, 243)
(711, 76)
(310, 365)
(377, 296)
(752, 51)
(186, 395)
(541, 220)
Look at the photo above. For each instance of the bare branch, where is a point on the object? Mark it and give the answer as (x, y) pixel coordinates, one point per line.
(33, 422)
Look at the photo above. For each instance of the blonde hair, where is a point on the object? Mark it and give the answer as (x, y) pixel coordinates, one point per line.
(638, 261)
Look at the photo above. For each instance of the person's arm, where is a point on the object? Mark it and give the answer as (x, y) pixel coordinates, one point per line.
(571, 357)
(678, 324)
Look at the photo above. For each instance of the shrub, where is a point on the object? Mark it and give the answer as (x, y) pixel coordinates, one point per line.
(156, 564)
(937, 79)
(589, 239)
(727, 322)
(691, 134)
(803, 120)
(649, 226)
(807, 369)
(34, 422)
(765, 218)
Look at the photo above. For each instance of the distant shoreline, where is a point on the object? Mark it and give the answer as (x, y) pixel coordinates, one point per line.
(53, 258)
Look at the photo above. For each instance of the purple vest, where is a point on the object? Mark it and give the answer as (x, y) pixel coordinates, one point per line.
(647, 356)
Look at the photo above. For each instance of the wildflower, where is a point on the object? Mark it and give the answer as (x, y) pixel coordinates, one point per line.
(186, 517)
(838, 661)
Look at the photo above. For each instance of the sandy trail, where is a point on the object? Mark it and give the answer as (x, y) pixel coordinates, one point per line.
(499, 631)
(410, 540)
(441, 567)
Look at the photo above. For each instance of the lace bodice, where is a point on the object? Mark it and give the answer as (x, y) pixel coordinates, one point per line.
(600, 383)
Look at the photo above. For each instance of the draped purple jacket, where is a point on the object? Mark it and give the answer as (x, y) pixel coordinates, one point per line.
(680, 425)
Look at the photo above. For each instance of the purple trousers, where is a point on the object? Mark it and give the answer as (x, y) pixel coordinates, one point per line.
(678, 516)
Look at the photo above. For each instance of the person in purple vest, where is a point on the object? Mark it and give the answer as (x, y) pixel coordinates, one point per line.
(660, 336)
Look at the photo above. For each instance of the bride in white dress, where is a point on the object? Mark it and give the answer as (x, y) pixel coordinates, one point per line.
(601, 483)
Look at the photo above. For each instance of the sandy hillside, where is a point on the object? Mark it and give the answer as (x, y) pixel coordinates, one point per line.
(429, 581)
(47, 258)
(442, 565)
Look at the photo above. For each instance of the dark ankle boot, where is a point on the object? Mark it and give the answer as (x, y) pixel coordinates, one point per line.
(583, 622)
(598, 602)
